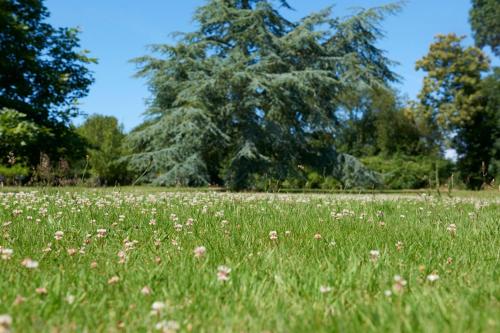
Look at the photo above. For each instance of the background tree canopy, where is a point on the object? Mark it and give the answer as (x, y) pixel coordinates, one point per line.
(253, 100)
(251, 94)
(104, 137)
(485, 22)
(460, 106)
(450, 95)
(42, 75)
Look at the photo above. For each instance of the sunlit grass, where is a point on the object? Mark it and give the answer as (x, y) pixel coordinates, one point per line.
(322, 273)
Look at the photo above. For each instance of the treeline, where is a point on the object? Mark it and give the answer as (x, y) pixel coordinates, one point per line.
(251, 100)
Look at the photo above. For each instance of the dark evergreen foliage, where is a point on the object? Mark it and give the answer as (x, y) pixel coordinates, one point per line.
(250, 92)
(478, 142)
(485, 22)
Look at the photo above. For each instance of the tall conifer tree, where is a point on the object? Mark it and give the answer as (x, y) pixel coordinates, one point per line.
(252, 93)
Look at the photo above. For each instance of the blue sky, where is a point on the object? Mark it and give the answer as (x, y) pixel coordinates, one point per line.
(116, 31)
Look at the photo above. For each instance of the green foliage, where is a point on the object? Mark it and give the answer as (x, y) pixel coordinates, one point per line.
(42, 75)
(463, 107)
(491, 89)
(485, 22)
(14, 174)
(357, 130)
(105, 138)
(314, 180)
(293, 183)
(450, 96)
(478, 141)
(408, 172)
(16, 134)
(377, 122)
(347, 173)
(397, 131)
(330, 183)
(251, 93)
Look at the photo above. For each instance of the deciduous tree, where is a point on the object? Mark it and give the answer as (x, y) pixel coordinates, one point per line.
(451, 95)
(43, 73)
(478, 141)
(105, 138)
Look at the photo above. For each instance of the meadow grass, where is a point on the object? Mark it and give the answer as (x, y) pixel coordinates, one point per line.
(126, 262)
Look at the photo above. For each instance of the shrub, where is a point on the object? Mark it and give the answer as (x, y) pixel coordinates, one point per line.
(314, 180)
(293, 183)
(409, 172)
(330, 183)
(14, 174)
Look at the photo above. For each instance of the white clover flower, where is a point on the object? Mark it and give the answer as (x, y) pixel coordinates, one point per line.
(169, 326)
(200, 251)
(452, 229)
(101, 233)
(114, 280)
(5, 323)
(374, 255)
(146, 290)
(432, 277)
(399, 284)
(70, 299)
(223, 273)
(157, 307)
(6, 254)
(58, 235)
(28, 263)
(325, 289)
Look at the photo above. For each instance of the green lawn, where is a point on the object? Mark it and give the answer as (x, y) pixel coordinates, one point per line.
(340, 263)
